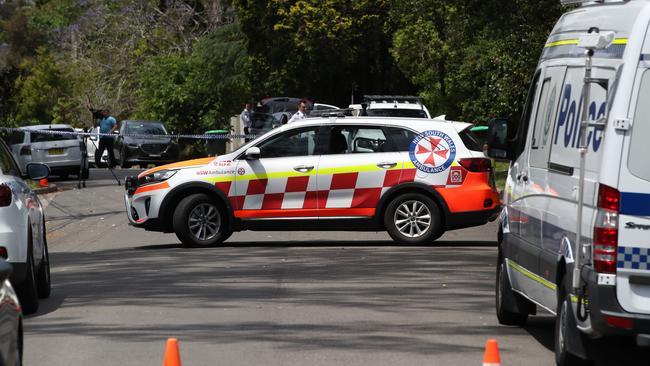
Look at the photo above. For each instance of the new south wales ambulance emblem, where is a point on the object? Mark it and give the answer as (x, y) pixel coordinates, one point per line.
(432, 151)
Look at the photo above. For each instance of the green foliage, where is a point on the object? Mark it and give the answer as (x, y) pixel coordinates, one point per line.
(44, 91)
(200, 91)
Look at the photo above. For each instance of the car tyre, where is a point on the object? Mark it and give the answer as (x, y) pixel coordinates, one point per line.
(124, 164)
(199, 221)
(28, 290)
(43, 279)
(504, 295)
(564, 323)
(414, 219)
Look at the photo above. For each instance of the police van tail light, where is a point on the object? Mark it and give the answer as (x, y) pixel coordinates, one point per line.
(5, 196)
(606, 230)
(476, 165)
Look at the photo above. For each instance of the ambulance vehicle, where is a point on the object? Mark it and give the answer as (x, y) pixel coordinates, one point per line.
(411, 177)
(574, 235)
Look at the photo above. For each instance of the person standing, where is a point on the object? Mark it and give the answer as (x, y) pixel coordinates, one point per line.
(301, 114)
(246, 121)
(107, 125)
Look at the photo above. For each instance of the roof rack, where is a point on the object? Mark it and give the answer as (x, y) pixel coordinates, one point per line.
(392, 98)
(590, 2)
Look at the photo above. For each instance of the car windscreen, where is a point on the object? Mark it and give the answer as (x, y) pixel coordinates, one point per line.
(45, 136)
(263, 121)
(396, 112)
(145, 128)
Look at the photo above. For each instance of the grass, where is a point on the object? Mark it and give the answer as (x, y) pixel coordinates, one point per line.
(500, 173)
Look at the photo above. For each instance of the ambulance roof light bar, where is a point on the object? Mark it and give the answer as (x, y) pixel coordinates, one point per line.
(590, 2)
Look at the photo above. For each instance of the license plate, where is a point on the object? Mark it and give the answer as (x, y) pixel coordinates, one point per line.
(56, 151)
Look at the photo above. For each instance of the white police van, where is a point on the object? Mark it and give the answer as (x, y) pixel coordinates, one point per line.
(570, 180)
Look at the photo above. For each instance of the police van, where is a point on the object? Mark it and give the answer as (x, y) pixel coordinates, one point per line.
(574, 234)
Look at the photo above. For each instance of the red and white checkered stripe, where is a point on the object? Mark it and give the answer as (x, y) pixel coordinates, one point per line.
(339, 190)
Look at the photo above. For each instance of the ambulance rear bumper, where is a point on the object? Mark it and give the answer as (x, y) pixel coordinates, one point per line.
(460, 220)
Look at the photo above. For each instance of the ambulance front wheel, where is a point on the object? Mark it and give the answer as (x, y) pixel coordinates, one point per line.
(414, 219)
(199, 221)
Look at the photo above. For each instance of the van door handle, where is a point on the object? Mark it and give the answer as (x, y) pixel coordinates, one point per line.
(303, 168)
(386, 165)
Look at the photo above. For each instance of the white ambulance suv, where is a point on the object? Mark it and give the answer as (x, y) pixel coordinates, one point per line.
(414, 178)
(574, 234)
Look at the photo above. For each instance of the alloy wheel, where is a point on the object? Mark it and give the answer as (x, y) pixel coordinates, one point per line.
(412, 218)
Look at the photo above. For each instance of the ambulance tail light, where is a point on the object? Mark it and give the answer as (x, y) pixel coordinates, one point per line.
(5, 195)
(606, 230)
(476, 165)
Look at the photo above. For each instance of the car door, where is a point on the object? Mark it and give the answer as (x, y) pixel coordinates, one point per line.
(282, 182)
(357, 166)
(25, 202)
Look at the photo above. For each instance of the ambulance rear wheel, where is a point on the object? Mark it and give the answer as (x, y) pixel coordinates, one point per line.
(413, 219)
(199, 221)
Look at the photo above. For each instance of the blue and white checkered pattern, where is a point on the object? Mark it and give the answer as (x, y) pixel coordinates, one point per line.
(633, 258)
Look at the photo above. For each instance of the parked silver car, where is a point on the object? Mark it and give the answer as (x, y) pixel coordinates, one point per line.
(61, 152)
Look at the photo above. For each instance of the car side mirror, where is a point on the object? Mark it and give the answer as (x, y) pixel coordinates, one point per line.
(253, 153)
(37, 171)
(498, 146)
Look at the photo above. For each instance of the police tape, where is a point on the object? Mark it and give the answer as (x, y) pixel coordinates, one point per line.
(137, 136)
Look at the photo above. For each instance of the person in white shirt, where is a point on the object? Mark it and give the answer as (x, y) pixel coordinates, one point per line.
(245, 118)
(302, 110)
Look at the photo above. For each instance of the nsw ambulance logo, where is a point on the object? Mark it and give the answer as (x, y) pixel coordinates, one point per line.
(432, 151)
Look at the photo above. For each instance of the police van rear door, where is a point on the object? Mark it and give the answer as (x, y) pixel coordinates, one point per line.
(633, 252)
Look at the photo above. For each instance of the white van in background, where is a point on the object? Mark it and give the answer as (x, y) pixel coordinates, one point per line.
(598, 286)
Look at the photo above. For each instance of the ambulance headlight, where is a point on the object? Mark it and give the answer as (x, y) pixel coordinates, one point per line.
(158, 176)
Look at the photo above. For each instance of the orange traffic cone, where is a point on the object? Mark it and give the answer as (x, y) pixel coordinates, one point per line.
(43, 183)
(491, 356)
(172, 354)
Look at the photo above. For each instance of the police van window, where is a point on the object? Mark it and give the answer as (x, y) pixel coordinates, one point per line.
(546, 111)
(522, 132)
(7, 164)
(639, 146)
(298, 142)
(355, 140)
(400, 139)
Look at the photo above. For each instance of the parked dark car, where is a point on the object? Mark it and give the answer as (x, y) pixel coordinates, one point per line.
(144, 142)
(11, 320)
(282, 108)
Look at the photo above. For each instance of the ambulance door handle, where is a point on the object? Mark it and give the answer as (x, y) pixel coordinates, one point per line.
(386, 165)
(303, 168)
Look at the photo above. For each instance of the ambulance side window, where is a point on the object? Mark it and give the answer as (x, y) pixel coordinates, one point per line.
(400, 139)
(298, 142)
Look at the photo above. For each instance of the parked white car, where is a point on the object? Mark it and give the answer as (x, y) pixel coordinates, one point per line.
(61, 152)
(92, 143)
(391, 106)
(23, 240)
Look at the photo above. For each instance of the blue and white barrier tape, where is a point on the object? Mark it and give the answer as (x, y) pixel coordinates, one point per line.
(140, 136)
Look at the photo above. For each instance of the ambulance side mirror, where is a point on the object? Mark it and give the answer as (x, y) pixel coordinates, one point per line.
(253, 153)
(497, 139)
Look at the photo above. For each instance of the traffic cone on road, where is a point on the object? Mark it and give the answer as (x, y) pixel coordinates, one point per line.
(172, 354)
(491, 356)
(43, 183)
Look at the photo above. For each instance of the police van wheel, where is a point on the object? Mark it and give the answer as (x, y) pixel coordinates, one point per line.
(199, 221)
(565, 327)
(413, 219)
(506, 299)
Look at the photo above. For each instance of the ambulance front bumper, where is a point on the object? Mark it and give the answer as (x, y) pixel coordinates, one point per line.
(141, 209)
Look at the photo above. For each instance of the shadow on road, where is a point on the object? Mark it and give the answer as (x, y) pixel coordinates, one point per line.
(393, 281)
(328, 243)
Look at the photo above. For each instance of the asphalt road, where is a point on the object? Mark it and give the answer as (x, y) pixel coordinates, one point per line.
(280, 298)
